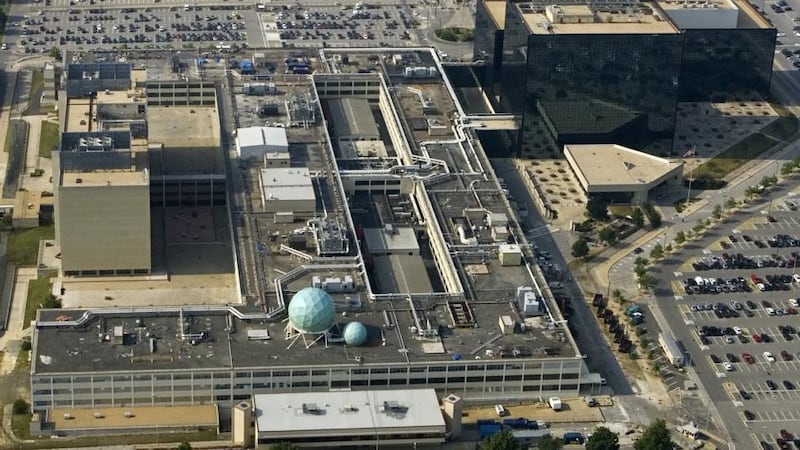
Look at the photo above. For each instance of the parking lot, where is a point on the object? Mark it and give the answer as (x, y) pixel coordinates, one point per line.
(738, 300)
(107, 28)
(221, 26)
(339, 26)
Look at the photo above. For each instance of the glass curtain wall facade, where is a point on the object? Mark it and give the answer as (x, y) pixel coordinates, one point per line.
(488, 47)
(616, 88)
(590, 88)
(726, 62)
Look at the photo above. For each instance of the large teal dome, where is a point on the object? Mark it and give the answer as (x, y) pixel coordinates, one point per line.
(355, 333)
(311, 310)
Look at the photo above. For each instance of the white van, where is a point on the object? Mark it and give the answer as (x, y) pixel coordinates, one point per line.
(501, 412)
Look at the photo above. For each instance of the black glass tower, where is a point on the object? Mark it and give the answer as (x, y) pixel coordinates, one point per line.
(613, 71)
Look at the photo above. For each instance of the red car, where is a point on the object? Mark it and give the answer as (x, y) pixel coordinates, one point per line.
(746, 357)
(791, 311)
(756, 338)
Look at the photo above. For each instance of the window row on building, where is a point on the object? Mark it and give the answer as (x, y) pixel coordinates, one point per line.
(193, 387)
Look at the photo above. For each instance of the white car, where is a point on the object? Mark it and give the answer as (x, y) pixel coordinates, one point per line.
(796, 277)
(728, 366)
(737, 330)
(781, 34)
(769, 357)
(3, 46)
(770, 311)
(794, 302)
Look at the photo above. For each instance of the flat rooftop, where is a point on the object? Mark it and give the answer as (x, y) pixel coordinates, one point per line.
(117, 97)
(105, 178)
(497, 12)
(78, 114)
(614, 165)
(27, 204)
(287, 183)
(586, 19)
(336, 412)
(64, 347)
(183, 126)
(134, 417)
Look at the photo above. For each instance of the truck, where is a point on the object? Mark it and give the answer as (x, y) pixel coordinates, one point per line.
(671, 349)
(555, 403)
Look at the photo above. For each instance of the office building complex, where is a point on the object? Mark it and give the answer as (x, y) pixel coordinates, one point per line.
(613, 72)
(400, 269)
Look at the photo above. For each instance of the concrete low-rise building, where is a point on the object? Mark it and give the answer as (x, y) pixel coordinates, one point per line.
(256, 142)
(125, 420)
(287, 190)
(620, 174)
(404, 417)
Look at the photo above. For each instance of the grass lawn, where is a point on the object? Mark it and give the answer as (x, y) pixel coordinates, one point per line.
(48, 139)
(734, 157)
(37, 81)
(620, 210)
(23, 245)
(23, 363)
(38, 290)
(20, 425)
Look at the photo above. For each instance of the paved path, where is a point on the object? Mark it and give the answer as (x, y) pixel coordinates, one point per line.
(11, 339)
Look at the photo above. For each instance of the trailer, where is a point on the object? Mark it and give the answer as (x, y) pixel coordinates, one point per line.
(671, 349)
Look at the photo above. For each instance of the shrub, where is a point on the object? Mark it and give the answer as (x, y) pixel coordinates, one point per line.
(20, 406)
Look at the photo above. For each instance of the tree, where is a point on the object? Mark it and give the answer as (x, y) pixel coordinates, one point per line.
(655, 437)
(752, 191)
(603, 439)
(646, 281)
(51, 302)
(20, 406)
(550, 443)
(580, 249)
(607, 234)
(638, 217)
(641, 262)
(657, 252)
(654, 218)
(680, 237)
(731, 203)
(283, 446)
(668, 248)
(597, 208)
(787, 169)
(503, 440)
(55, 52)
(184, 446)
(717, 212)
